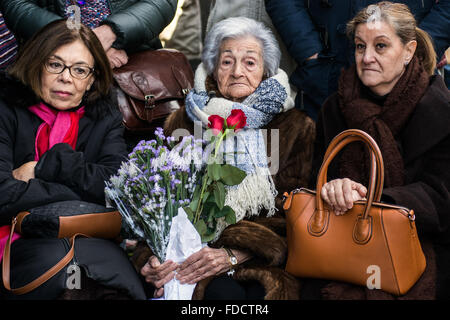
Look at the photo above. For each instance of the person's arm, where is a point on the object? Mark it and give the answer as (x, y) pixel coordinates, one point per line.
(17, 195)
(140, 23)
(61, 164)
(25, 17)
(429, 194)
(294, 24)
(437, 24)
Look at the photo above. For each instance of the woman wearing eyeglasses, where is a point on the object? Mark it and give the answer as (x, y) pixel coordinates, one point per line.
(61, 137)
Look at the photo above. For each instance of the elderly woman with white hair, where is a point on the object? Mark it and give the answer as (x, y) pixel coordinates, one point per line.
(240, 70)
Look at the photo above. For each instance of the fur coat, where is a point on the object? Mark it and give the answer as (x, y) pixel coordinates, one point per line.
(264, 237)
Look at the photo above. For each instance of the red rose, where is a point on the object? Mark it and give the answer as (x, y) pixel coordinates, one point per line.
(216, 123)
(237, 119)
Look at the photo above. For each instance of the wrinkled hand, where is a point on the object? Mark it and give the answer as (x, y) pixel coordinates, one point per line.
(117, 58)
(158, 274)
(202, 264)
(106, 36)
(25, 172)
(340, 194)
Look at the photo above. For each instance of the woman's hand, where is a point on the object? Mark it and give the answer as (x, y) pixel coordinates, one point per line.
(207, 262)
(340, 194)
(117, 58)
(106, 36)
(25, 172)
(158, 274)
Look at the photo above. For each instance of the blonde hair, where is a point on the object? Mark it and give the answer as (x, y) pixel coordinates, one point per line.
(400, 18)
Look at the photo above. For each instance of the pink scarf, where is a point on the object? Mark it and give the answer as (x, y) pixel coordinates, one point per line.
(58, 127)
(4, 235)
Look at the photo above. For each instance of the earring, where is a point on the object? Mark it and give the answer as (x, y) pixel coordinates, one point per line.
(406, 63)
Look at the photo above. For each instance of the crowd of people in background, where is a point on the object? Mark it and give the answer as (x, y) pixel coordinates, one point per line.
(308, 68)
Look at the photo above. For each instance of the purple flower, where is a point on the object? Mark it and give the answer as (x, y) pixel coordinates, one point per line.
(159, 133)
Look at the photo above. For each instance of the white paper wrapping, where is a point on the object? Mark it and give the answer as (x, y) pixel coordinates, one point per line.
(184, 240)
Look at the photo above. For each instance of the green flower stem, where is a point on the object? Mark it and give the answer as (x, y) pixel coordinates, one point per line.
(200, 202)
(219, 142)
(206, 180)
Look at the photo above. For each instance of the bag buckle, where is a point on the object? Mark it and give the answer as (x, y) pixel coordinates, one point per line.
(149, 101)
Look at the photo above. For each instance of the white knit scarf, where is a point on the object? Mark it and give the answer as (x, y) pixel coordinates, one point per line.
(257, 191)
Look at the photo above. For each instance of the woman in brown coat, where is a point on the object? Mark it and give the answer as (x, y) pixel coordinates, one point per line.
(392, 94)
(240, 71)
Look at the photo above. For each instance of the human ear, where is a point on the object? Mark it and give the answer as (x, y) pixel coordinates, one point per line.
(410, 49)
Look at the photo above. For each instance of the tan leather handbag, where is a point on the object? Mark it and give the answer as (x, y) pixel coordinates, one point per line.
(152, 85)
(370, 238)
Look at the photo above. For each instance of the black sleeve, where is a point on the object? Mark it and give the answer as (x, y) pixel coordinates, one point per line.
(429, 194)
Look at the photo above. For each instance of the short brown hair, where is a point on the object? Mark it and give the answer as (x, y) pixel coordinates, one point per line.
(30, 63)
(400, 18)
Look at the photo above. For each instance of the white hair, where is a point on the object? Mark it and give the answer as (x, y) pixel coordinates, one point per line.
(240, 27)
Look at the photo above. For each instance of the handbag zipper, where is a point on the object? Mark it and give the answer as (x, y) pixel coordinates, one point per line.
(403, 210)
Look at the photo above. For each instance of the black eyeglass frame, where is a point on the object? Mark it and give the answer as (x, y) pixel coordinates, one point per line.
(91, 70)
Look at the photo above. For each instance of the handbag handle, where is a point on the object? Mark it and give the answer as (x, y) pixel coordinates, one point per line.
(41, 279)
(352, 135)
(318, 223)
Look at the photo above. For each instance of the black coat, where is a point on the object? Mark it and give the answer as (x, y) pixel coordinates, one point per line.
(425, 146)
(62, 174)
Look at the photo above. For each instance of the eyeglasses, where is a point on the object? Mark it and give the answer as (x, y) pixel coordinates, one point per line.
(77, 71)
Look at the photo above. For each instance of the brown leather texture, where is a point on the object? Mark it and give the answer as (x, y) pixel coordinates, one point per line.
(324, 245)
(105, 225)
(152, 85)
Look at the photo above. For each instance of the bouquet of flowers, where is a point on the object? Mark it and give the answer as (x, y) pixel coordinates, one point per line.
(158, 178)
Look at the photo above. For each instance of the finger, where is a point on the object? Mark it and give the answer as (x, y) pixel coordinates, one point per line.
(158, 293)
(348, 193)
(160, 283)
(122, 56)
(339, 195)
(153, 269)
(191, 260)
(149, 267)
(116, 63)
(190, 269)
(165, 269)
(154, 261)
(324, 194)
(160, 277)
(362, 190)
(196, 276)
(332, 194)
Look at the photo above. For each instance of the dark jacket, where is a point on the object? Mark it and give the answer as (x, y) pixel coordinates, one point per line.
(319, 26)
(425, 146)
(62, 174)
(136, 23)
